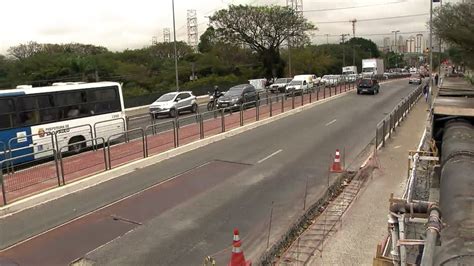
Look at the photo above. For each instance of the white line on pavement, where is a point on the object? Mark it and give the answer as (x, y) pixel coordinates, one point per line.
(332, 122)
(271, 155)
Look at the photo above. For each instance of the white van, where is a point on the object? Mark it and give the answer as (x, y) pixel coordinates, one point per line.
(309, 78)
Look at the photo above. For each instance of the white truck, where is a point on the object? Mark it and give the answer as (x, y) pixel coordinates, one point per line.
(372, 67)
(349, 70)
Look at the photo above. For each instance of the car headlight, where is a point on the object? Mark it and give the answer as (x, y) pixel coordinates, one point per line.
(234, 100)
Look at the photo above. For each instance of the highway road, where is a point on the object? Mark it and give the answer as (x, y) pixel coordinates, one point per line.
(194, 200)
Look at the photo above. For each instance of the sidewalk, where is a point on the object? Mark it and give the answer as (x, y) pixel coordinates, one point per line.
(365, 223)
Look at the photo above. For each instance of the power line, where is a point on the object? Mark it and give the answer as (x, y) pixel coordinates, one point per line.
(353, 7)
(371, 34)
(372, 19)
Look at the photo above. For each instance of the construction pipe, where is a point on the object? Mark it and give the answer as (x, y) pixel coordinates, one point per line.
(457, 195)
(393, 227)
(410, 207)
(401, 232)
(433, 228)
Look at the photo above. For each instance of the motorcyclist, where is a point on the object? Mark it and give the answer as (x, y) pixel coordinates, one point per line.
(217, 93)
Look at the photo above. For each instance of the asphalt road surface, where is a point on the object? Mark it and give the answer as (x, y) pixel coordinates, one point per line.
(211, 190)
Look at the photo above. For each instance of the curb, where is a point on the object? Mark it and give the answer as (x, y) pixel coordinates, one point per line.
(85, 183)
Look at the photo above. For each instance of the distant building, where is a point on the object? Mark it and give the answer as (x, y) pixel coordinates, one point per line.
(386, 44)
(420, 43)
(411, 45)
(401, 45)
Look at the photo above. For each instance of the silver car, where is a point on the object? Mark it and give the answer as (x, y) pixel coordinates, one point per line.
(173, 103)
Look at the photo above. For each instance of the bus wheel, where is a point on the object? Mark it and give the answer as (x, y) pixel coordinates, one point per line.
(75, 144)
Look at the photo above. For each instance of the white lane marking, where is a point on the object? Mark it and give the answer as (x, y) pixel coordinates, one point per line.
(332, 122)
(269, 156)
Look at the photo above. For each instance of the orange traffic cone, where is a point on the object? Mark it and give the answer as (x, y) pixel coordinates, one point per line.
(336, 165)
(236, 236)
(238, 258)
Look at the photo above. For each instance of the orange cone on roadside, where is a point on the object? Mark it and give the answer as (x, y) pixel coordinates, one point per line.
(336, 165)
(238, 258)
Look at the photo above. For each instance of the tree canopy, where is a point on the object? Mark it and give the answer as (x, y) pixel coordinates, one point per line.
(454, 24)
(262, 28)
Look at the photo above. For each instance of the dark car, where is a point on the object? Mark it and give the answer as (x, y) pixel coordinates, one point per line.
(238, 95)
(368, 85)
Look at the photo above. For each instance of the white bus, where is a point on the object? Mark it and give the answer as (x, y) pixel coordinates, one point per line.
(30, 115)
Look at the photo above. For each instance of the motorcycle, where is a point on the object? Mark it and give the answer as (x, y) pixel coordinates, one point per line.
(211, 105)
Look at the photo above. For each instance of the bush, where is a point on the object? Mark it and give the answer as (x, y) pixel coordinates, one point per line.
(204, 85)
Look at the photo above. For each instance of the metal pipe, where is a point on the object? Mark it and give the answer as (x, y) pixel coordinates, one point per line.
(401, 232)
(433, 228)
(393, 227)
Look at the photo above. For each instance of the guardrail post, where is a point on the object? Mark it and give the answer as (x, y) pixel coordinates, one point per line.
(2, 183)
(293, 100)
(55, 155)
(201, 126)
(383, 132)
(257, 110)
(283, 103)
(376, 137)
(330, 91)
(144, 144)
(271, 107)
(310, 96)
(222, 120)
(324, 91)
(177, 131)
(241, 114)
(302, 97)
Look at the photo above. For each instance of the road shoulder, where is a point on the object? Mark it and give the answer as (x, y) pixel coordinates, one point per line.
(365, 224)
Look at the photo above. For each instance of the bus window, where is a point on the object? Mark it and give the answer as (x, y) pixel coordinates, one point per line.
(28, 118)
(5, 121)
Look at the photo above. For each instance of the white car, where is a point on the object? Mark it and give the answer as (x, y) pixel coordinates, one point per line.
(173, 103)
(330, 79)
(297, 86)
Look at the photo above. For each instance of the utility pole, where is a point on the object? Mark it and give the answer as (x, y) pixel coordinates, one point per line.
(297, 6)
(439, 52)
(343, 37)
(327, 38)
(175, 49)
(431, 41)
(353, 21)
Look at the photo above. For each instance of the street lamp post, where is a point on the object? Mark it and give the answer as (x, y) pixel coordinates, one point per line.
(175, 49)
(431, 41)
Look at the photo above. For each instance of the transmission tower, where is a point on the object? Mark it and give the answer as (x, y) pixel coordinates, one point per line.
(353, 27)
(193, 36)
(166, 35)
(297, 5)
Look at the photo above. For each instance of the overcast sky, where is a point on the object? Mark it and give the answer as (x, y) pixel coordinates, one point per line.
(121, 24)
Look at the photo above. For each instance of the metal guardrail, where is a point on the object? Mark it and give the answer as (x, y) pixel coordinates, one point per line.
(2, 150)
(125, 134)
(14, 175)
(388, 125)
(64, 150)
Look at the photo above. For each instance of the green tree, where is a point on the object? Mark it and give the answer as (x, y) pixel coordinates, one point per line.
(454, 24)
(263, 29)
(364, 45)
(207, 40)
